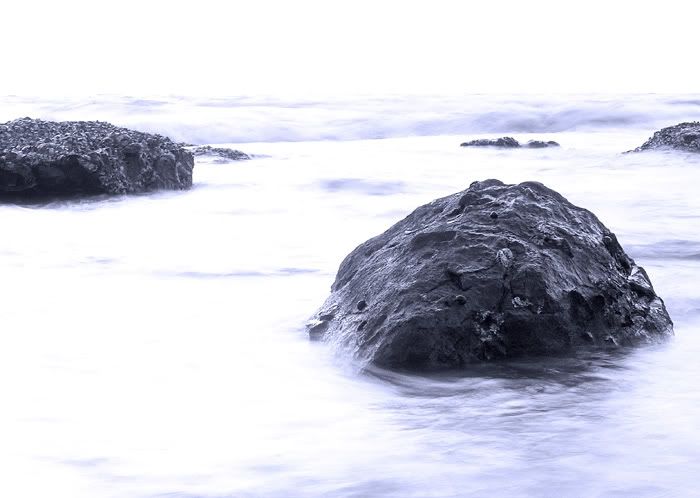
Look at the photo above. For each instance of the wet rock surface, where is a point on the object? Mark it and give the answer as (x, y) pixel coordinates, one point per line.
(540, 144)
(683, 136)
(221, 153)
(496, 271)
(504, 142)
(55, 159)
(509, 143)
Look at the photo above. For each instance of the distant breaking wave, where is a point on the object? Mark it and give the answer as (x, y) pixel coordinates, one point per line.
(258, 119)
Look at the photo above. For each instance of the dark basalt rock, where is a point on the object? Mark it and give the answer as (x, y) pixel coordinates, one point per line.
(509, 143)
(683, 136)
(223, 154)
(504, 142)
(496, 271)
(540, 144)
(55, 159)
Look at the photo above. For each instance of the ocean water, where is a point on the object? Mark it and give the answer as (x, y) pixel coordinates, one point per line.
(154, 345)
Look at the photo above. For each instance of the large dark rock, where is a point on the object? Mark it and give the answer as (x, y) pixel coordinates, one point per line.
(683, 136)
(221, 154)
(509, 143)
(496, 271)
(46, 158)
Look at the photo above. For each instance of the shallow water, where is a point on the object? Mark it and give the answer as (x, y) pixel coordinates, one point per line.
(153, 345)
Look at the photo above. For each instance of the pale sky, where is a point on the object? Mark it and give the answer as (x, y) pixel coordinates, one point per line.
(310, 47)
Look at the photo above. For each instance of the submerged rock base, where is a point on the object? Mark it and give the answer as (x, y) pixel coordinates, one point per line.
(495, 271)
(222, 154)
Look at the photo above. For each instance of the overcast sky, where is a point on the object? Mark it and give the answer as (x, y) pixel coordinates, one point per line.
(309, 47)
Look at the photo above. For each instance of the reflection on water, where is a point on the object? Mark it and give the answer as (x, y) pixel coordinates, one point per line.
(153, 346)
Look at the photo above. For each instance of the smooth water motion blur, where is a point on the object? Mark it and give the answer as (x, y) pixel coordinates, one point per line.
(154, 345)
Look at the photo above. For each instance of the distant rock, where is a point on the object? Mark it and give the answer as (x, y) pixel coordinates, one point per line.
(683, 136)
(220, 153)
(508, 143)
(496, 271)
(504, 142)
(55, 159)
(540, 144)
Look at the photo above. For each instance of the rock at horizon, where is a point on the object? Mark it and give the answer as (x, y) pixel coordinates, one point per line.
(494, 272)
(683, 136)
(68, 158)
(509, 143)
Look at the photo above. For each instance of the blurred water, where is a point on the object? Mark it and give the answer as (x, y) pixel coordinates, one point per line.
(272, 119)
(153, 346)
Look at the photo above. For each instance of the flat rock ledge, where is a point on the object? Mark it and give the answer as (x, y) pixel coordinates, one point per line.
(509, 143)
(64, 159)
(494, 272)
(221, 153)
(683, 136)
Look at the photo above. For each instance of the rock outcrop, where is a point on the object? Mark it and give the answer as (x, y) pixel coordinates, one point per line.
(683, 136)
(222, 154)
(503, 142)
(509, 143)
(56, 159)
(496, 271)
(540, 144)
